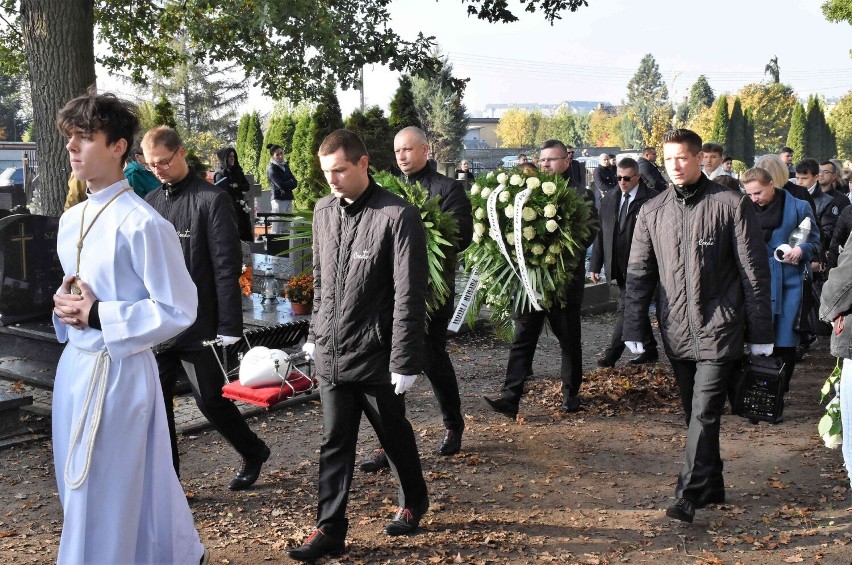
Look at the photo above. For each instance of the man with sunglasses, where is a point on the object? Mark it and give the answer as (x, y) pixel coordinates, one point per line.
(555, 158)
(204, 218)
(611, 252)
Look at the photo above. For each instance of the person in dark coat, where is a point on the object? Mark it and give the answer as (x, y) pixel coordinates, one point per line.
(649, 171)
(366, 335)
(564, 319)
(229, 175)
(412, 150)
(282, 183)
(203, 217)
(611, 251)
(702, 245)
(604, 177)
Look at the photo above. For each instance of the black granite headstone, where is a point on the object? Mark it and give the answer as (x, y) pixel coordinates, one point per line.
(29, 267)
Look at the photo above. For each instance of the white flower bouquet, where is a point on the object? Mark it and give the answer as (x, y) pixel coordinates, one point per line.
(528, 236)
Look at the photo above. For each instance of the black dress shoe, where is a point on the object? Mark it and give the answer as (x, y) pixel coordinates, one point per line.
(503, 406)
(407, 519)
(571, 404)
(682, 510)
(649, 356)
(249, 471)
(452, 442)
(710, 497)
(317, 545)
(378, 461)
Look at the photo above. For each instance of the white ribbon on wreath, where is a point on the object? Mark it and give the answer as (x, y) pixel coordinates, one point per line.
(520, 200)
(494, 224)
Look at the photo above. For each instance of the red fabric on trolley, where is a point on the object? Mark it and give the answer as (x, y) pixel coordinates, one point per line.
(269, 395)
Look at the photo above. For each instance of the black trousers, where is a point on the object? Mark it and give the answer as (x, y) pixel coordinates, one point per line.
(616, 345)
(206, 379)
(565, 323)
(703, 389)
(441, 374)
(342, 406)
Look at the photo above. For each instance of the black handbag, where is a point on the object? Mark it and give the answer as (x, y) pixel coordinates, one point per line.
(807, 320)
(759, 394)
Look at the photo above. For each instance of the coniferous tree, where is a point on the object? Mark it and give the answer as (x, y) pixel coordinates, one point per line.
(645, 91)
(749, 143)
(13, 122)
(300, 151)
(813, 129)
(719, 133)
(796, 138)
(443, 115)
(242, 134)
(735, 146)
(323, 120)
(700, 96)
(373, 127)
(403, 112)
(253, 145)
(165, 113)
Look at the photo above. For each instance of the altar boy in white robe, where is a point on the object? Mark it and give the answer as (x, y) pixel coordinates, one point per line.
(126, 289)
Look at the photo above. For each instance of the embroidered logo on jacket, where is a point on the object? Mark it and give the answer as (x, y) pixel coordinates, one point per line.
(362, 255)
(184, 234)
(710, 241)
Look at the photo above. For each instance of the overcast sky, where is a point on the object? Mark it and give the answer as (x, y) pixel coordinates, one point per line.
(593, 53)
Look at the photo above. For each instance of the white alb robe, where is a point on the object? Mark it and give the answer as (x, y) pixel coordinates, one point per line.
(132, 508)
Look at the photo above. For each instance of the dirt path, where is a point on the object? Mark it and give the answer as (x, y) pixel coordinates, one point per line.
(581, 488)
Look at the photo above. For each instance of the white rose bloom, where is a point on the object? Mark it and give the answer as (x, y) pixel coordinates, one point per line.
(555, 248)
(551, 226)
(529, 214)
(485, 192)
(479, 228)
(510, 238)
(490, 175)
(501, 178)
(538, 249)
(832, 442)
(510, 211)
(477, 238)
(548, 187)
(550, 259)
(533, 183)
(549, 211)
(504, 196)
(480, 213)
(529, 233)
(516, 180)
(474, 190)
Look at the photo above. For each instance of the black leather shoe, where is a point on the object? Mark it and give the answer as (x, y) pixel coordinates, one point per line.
(503, 406)
(650, 356)
(682, 510)
(711, 497)
(249, 471)
(317, 545)
(377, 462)
(571, 404)
(605, 362)
(452, 442)
(407, 519)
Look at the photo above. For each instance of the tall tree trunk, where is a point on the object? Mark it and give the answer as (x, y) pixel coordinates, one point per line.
(59, 41)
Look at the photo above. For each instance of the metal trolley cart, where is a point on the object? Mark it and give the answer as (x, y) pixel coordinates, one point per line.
(296, 379)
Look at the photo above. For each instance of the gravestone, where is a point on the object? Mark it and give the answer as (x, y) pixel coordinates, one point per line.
(29, 267)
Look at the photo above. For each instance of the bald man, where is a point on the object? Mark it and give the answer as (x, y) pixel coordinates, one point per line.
(412, 156)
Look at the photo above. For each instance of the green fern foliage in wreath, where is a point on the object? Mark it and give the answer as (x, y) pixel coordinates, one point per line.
(441, 235)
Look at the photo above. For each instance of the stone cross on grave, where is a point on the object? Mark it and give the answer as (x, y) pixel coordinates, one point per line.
(30, 271)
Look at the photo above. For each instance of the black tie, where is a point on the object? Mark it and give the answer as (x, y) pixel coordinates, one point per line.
(622, 214)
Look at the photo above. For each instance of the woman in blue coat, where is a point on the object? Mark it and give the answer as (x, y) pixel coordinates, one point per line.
(779, 215)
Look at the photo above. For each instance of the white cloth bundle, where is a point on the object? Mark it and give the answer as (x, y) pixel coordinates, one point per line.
(258, 369)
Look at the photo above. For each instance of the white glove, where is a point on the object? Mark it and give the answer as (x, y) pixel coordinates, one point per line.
(228, 340)
(402, 382)
(764, 349)
(635, 347)
(308, 349)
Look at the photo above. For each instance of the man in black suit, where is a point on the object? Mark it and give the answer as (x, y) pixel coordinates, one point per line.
(611, 251)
